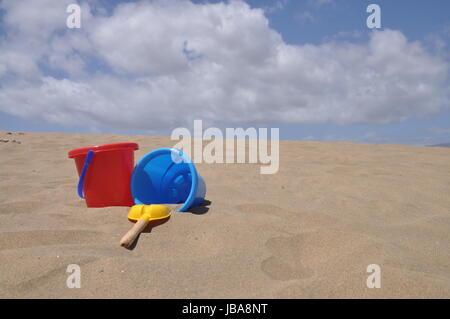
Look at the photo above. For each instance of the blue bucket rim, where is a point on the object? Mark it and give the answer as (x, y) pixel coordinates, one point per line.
(185, 159)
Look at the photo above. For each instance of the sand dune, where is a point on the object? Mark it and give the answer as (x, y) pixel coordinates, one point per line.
(308, 231)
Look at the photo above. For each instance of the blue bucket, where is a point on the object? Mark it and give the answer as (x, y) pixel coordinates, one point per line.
(167, 176)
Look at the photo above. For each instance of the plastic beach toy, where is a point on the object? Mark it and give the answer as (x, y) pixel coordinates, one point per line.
(167, 176)
(105, 173)
(143, 214)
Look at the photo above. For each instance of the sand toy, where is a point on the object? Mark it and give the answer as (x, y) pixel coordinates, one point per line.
(105, 173)
(167, 176)
(143, 215)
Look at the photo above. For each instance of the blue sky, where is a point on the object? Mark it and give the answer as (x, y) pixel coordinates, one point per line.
(307, 29)
(415, 18)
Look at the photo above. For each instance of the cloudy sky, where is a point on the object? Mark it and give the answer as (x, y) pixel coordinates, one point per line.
(311, 68)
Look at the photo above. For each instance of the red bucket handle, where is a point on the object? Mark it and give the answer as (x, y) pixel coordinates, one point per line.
(89, 156)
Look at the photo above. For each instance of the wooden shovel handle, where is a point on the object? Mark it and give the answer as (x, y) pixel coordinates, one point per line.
(131, 235)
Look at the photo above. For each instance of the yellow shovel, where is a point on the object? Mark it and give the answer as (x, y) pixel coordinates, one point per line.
(143, 214)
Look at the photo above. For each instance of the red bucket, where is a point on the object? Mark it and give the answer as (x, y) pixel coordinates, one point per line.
(105, 173)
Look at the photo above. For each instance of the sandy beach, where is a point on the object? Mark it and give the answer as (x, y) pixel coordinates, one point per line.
(309, 231)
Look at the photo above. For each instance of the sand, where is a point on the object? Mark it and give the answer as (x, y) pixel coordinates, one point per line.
(309, 231)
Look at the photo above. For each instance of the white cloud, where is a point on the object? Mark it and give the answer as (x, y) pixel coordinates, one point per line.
(277, 6)
(320, 3)
(439, 130)
(305, 16)
(164, 63)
